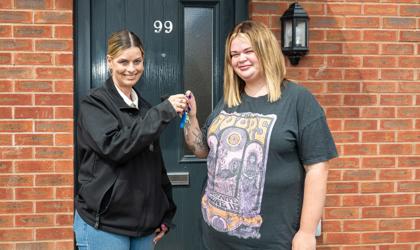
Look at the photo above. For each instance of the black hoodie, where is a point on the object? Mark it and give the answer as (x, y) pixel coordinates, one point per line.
(124, 187)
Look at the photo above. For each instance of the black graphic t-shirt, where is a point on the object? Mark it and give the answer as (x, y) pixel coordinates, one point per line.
(254, 191)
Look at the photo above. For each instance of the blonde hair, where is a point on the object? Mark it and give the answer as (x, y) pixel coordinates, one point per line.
(121, 40)
(267, 50)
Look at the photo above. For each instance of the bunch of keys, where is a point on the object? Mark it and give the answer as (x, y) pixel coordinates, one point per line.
(185, 118)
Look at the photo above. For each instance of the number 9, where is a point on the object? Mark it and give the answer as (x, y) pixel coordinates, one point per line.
(168, 26)
(158, 26)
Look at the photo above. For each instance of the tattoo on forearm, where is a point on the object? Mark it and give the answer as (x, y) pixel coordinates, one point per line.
(195, 139)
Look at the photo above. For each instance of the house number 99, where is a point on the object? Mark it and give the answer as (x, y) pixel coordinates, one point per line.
(167, 26)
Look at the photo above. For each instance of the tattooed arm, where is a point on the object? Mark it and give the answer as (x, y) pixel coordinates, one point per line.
(194, 138)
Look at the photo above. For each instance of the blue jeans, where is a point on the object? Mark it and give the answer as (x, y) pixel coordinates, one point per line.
(89, 238)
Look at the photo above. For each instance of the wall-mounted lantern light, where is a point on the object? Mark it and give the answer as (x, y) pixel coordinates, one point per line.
(294, 35)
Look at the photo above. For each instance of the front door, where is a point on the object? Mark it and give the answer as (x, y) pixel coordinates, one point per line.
(184, 49)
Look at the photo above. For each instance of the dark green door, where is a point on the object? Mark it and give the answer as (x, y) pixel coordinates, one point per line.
(184, 49)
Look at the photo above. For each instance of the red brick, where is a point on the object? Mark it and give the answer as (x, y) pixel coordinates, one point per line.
(5, 194)
(34, 86)
(296, 74)
(408, 136)
(63, 32)
(331, 226)
(34, 139)
(52, 17)
(410, 36)
(16, 234)
(360, 149)
(5, 30)
(64, 193)
(64, 86)
(344, 9)
(16, 180)
(263, 19)
(340, 137)
(360, 125)
(334, 175)
(409, 161)
(408, 236)
(34, 193)
(32, 31)
(6, 86)
(6, 4)
(333, 201)
(342, 238)
(54, 99)
(377, 187)
(379, 62)
(359, 175)
(5, 166)
(326, 22)
(54, 72)
(359, 200)
(64, 59)
(37, 246)
(54, 153)
(54, 206)
(64, 4)
(380, 35)
(378, 162)
(54, 126)
(5, 58)
(342, 112)
(16, 72)
(317, 35)
(33, 4)
(380, 237)
(409, 62)
(343, 87)
(64, 140)
(15, 44)
(409, 87)
(6, 221)
(326, 48)
(342, 187)
(343, 35)
(381, 9)
(15, 207)
(361, 74)
(15, 99)
(335, 125)
(34, 220)
(53, 233)
(362, 22)
(399, 23)
(396, 124)
(64, 166)
(5, 140)
(342, 162)
(396, 149)
(325, 74)
(360, 225)
(341, 213)
(64, 244)
(15, 126)
(377, 112)
(410, 10)
(377, 212)
(36, 166)
(34, 113)
(54, 180)
(395, 199)
(397, 49)
(311, 61)
(63, 113)
(54, 45)
(409, 186)
(33, 59)
(394, 224)
(360, 100)
(397, 74)
(361, 48)
(15, 17)
(329, 99)
(397, 100)
(344, 61)
(378, 136)
(16, 153)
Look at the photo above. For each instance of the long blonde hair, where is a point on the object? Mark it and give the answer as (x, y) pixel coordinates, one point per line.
(268, 52)
(121, 40)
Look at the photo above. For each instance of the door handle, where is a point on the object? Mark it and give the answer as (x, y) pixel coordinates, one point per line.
(179, 178)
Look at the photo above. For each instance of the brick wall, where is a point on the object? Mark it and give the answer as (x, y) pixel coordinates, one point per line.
(36, 124)
(363, 66)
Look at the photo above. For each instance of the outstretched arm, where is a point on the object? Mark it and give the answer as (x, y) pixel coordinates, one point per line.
(194, 137)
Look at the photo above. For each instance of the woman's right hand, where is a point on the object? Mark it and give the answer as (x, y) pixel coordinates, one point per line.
(179, 102)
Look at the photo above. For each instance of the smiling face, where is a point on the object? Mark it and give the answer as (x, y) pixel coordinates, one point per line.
(244, 60)
(127, 68)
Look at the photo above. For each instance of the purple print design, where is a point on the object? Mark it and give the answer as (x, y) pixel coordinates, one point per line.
(236, 172)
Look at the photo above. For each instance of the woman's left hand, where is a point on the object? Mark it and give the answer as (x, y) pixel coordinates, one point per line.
(160, 232)
(304, 241)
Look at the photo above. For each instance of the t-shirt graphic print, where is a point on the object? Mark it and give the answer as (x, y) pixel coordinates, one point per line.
(236, 164)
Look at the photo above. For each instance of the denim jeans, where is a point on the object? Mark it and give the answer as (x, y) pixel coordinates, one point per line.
(89, 238)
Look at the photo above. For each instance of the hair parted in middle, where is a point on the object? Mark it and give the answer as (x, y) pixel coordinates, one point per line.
(267, 50)
(121, 40)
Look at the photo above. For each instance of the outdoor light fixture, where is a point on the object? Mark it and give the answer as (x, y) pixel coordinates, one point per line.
(294, 35)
